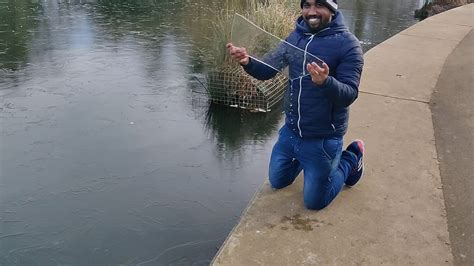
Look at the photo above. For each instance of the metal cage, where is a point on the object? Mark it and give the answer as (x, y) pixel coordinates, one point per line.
(233, 87)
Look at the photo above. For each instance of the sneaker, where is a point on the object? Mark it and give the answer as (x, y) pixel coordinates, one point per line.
(356, 147)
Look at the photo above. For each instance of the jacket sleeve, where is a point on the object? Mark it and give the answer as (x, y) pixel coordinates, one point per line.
(343, 88)
(269, 65)
(259, 70)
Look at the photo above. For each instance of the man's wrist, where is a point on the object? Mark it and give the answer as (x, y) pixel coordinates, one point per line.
(246, 62)
(325, 82)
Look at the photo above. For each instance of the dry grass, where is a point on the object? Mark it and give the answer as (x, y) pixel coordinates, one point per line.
(227, 82)
(275, 16)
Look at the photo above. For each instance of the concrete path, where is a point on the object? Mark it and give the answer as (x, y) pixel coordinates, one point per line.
(453, 118)
(396, 215)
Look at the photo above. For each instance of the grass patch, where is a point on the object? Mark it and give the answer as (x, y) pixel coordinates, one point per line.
(227, 83)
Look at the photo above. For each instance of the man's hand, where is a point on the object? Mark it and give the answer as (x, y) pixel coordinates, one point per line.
(318, 74)
(238, 53)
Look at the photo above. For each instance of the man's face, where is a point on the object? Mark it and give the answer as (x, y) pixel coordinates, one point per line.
(316, 14)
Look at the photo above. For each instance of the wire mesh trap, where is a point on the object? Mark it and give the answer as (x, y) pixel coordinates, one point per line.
(235, 88)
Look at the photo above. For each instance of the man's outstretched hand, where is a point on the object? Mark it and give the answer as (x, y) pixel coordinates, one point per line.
(318, 74)
(238, 53)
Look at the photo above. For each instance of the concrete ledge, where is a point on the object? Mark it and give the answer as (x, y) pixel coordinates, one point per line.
(408, 64)
(396, 215)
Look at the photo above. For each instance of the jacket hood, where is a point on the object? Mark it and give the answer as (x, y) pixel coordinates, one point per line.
(335, 26)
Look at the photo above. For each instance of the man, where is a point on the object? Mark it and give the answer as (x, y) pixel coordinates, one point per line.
(317, 109)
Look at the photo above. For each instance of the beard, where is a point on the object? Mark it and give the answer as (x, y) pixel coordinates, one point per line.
(316, 23)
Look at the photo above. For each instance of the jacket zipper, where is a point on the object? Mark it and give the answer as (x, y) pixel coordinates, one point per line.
(301, 82)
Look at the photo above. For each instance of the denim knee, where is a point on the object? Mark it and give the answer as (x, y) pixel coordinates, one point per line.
(278, 183)
(315, 203)
(280, 179)
(283, 167)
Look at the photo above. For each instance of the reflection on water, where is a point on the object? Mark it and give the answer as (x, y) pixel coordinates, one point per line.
(109, 153)
(232, 127)
(18, 20)
(374, 21)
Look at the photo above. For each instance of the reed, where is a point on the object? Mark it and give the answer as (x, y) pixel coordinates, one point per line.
(276, 17)
(227, 82)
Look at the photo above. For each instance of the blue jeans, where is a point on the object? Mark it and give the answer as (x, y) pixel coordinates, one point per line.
(324, 163)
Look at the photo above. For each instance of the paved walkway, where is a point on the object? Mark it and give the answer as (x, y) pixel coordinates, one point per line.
(452, 106)
(397, 214)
